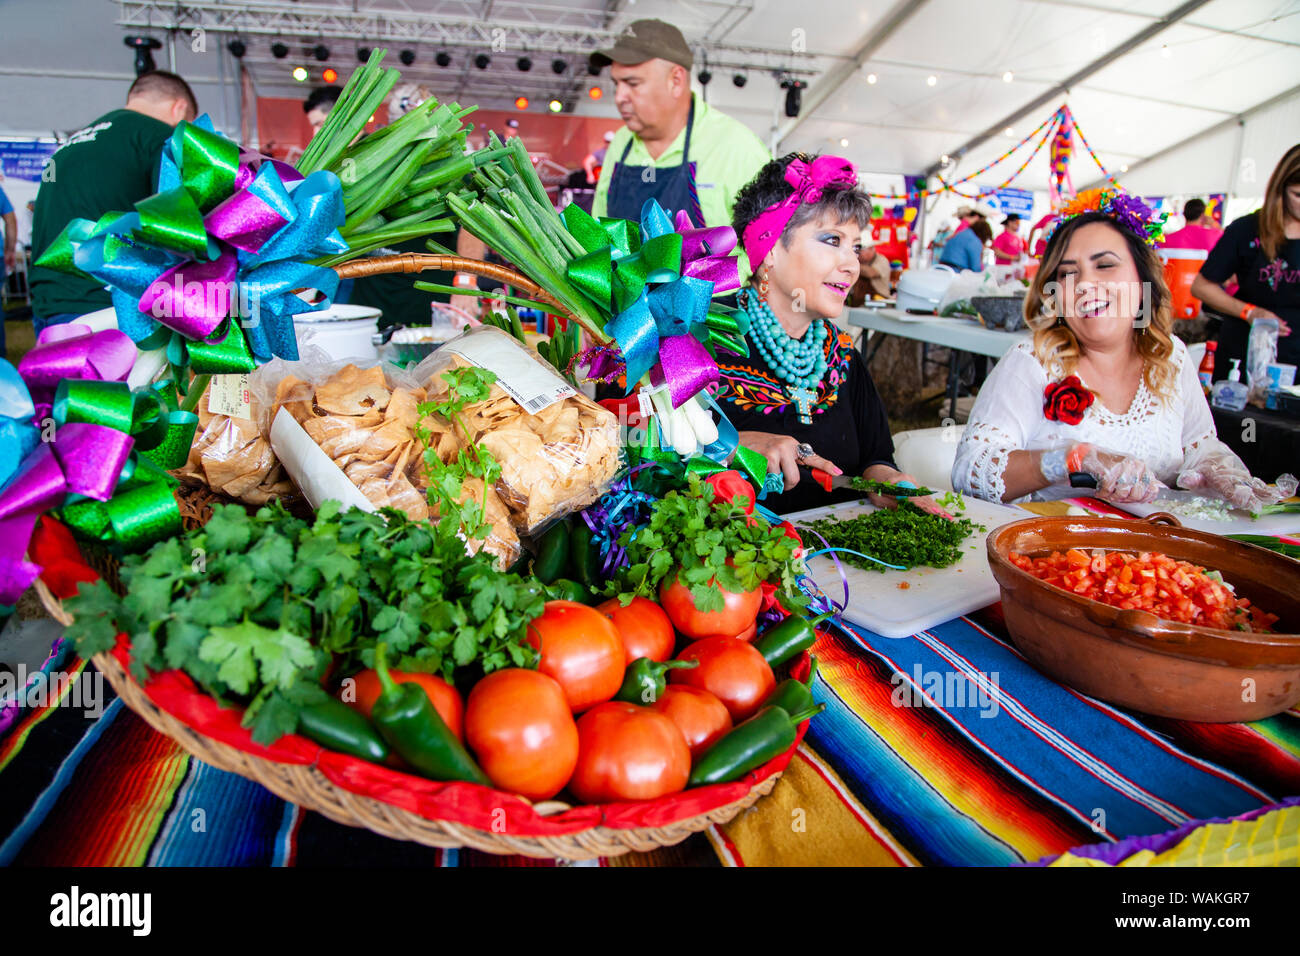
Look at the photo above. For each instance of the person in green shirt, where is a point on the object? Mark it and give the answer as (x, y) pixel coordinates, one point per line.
(673, 146)
(105, 167)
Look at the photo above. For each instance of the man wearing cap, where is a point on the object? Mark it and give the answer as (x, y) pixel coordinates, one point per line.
(1009, 247)
(673, 147)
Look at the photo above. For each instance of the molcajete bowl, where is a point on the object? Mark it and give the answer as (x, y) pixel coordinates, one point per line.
(1135, 659)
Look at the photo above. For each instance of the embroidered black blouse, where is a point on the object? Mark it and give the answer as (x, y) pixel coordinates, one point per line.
(849, 426)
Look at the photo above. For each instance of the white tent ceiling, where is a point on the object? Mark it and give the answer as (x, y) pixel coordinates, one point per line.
(1214, 64)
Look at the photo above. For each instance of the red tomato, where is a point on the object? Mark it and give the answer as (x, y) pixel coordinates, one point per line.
(626, 752)
(643, 627)
(730, 670)
(581, 649)
(749, 633)
(519, 726)
(728, 485)
(443, 696)
(739, 610)
(700, 716)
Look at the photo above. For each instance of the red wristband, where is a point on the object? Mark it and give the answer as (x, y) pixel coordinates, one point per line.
(1245, 313)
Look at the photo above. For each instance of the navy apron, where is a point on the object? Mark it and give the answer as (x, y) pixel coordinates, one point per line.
(672, 186)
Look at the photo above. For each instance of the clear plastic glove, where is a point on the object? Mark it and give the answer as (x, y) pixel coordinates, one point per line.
(1120, 478)
(1226, 477)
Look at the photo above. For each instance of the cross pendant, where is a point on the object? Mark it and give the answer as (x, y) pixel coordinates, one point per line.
(803, 399)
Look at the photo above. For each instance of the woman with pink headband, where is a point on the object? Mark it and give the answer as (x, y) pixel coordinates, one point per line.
(803, 397)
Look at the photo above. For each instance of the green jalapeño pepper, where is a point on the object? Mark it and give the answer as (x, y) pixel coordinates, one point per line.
(552, 553)
(767, 734)
(406, 719)
(564, 589)
(644, 680)
(335, 725)
(794, 634)
(794, 696)
(584, 555)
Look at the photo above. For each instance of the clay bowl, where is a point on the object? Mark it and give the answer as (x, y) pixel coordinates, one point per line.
(1133, 658)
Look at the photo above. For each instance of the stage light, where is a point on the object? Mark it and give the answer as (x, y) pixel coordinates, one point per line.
(443, 58)
(321, 52)
(704, 77)
(593, 70)
(524, 63)
(558, 66)
(843, 143)
(521, 102)
(512, 123)
(279, 50)
(931, 80)
(1009, 131)
(793, 95)
(144, 47)
(1008, 76)
(237, 48)
(329, 74)
(740, 79)
(871, 78)
(555, 106)
(407, 57)
(363, 53)
(595, 92)
(482, 60)
(300, 74)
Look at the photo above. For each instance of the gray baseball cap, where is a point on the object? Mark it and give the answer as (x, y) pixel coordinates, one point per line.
(645, 40)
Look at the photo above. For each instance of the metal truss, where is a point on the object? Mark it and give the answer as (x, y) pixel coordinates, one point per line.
(503, 29)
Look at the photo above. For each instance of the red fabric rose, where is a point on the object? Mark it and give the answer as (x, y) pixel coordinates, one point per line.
(1066, 401)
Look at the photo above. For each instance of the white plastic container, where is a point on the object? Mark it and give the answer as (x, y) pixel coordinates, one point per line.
(921, 290)
(343, 331)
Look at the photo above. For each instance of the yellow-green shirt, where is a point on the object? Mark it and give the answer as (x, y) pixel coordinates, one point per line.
(726, 153)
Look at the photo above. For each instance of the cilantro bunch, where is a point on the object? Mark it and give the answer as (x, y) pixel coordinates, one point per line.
(468, 385)
(705, 543)
(255, 608)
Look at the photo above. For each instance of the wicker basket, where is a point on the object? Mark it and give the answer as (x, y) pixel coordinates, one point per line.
(306, 785)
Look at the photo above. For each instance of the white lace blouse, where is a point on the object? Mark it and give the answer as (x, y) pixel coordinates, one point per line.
(1008, 416)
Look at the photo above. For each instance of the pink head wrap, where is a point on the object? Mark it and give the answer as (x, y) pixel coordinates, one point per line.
(809, 180)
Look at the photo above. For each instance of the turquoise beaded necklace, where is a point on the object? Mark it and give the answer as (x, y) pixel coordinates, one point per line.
(799, 363)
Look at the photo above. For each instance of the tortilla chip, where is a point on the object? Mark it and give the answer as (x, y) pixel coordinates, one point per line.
(353, 391)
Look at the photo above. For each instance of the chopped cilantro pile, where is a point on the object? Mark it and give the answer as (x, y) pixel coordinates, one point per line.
(905, 536)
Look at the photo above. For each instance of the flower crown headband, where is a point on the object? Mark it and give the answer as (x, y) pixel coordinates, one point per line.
(1127, 211)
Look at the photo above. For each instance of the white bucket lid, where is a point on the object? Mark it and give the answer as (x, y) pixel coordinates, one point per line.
(338, 313)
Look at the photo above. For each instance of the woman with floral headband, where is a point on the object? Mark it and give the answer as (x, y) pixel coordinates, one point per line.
(803, 398)
(1104, 388)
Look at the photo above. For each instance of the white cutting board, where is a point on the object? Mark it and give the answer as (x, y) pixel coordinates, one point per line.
(933, 595)
(1240, 521)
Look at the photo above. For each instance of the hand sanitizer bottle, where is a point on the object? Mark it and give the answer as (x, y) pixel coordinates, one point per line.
(1230, 393)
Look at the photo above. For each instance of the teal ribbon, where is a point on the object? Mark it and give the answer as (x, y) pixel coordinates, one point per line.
(227, 234)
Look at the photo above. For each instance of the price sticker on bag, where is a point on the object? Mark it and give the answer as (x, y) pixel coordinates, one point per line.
(230, 395)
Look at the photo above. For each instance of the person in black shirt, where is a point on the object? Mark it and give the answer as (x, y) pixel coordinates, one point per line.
(1263, 251)
(803, 385)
